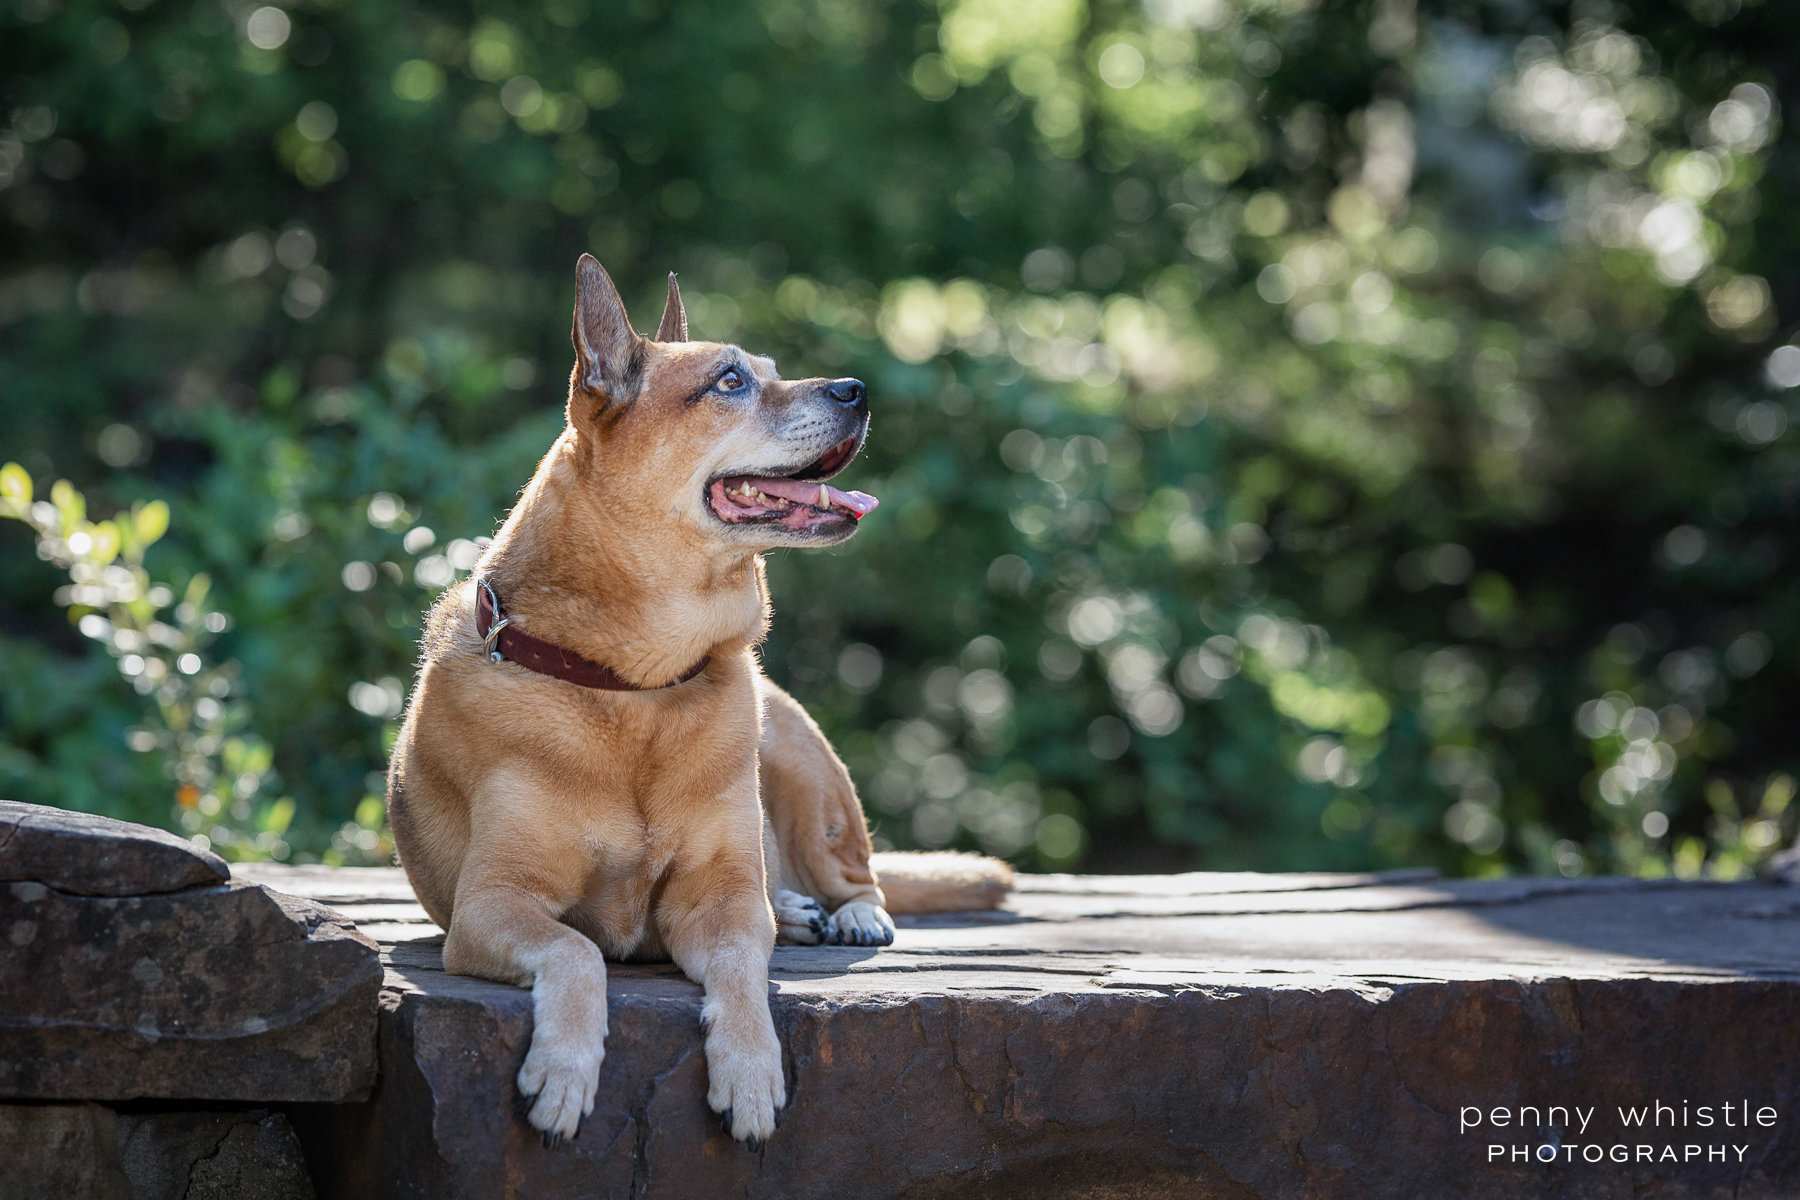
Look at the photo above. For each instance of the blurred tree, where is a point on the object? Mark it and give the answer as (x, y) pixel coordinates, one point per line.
(1309, 436)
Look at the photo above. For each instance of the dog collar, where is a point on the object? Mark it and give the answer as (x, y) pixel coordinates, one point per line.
(502, 641)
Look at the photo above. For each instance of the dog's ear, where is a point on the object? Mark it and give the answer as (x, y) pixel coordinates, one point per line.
(609, 352)
(674, 321)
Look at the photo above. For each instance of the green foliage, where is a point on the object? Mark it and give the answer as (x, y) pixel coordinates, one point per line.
(1308, 435)
(194, 725)
(112, 600)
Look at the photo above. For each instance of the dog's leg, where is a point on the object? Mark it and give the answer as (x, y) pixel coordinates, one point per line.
(799, 919)
(716, 922)
(505, 927)
(818, 822)
(509, 934)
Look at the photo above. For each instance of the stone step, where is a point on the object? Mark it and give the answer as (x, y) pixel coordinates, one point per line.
(1194, 1036)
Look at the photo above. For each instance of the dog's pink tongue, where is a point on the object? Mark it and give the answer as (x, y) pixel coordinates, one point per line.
(859, 503)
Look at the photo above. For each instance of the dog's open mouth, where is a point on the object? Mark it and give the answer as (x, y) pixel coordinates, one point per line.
(798, 500)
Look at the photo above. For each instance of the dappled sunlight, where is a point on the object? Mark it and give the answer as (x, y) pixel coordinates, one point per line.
(1306, 436)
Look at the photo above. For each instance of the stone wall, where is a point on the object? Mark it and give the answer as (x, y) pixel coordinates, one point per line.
(169, 1030)
(139, 973)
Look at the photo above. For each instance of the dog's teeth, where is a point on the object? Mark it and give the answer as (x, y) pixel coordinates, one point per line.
(824, 496)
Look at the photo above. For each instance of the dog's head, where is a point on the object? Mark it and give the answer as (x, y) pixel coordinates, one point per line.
(736, 452)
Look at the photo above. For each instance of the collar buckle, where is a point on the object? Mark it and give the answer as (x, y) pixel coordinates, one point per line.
(489, 642)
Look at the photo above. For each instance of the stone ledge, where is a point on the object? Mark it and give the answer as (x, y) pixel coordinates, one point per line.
(91, 855)
(1198, 1035)
(135, 969)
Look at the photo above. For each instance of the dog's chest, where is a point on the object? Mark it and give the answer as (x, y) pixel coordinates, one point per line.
(630, 859)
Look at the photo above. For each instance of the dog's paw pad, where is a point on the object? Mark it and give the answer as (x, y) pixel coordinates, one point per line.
(859, 923)
(799, 920)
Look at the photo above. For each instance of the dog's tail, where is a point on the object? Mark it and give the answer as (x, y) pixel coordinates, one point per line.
(940, 880)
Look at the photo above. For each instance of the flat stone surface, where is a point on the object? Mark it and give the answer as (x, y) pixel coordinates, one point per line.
(90, 1151)
(228, 992)
(1195, 1035)
(97, 856)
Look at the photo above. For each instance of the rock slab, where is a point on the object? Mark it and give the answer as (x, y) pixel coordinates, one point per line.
(97, 1153)
(1200, 1036)
(91, 855)
(217, 991)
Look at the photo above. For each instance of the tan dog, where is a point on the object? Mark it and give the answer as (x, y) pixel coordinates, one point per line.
(578, 774)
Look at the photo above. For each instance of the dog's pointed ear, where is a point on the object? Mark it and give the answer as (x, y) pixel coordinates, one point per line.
(674, 321)
(608, 350)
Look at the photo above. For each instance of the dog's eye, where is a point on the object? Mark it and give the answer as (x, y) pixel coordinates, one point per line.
(730, 381)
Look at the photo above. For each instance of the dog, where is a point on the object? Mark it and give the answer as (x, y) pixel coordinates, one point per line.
(592, 765)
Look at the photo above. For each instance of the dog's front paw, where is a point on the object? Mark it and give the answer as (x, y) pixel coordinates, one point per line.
(745, 1085)
(562, 1075)
(799, 921)
(860, 923)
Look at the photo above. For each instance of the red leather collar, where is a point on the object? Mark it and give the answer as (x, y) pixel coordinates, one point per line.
(502, 641)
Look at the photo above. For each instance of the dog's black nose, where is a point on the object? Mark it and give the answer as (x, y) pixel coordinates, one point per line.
(849, 392)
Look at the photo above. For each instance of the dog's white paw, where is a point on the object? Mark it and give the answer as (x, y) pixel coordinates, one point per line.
(799, 920)
(860, 923)
(744, 1085)
(561, 1074)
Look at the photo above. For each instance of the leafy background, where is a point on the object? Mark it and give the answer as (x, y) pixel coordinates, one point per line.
(1309, 436)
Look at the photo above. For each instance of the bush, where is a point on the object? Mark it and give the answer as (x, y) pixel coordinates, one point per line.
(1308, 436)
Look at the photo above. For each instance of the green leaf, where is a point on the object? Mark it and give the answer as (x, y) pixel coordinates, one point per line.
(151, 521)
(126, 529)
(369, 812)
(198, 586)
(258, 756)
(106, 542)
(277, 817)
(15, 487)
(71, 506)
